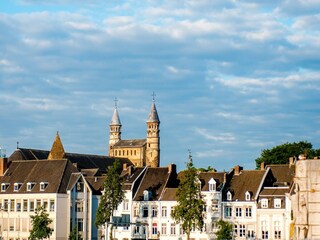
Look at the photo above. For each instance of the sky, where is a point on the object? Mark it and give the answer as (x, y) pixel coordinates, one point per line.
(231, 78)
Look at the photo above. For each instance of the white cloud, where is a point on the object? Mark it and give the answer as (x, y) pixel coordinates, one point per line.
(221, 137)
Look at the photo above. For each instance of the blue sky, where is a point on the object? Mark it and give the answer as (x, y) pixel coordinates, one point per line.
(231, 77)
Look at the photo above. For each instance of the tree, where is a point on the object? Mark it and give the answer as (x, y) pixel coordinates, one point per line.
(75, 235)
(190, 205)
(40, 224)
(224, 230)
(112, 195)
(281, 153)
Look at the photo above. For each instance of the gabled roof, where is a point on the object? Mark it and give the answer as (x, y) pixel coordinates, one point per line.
(283, 174)
(246, 180)
(56, 173)
(131, 143)
(82, 161)
(169, 194)
(154, 180)
(206, 176)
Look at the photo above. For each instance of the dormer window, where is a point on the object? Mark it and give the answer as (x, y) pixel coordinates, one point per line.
(229, 196)
(43, 186)
(4, 186)
(212, 185)
(17, 186)
(30, 186)
(248, 196)
(146, 195)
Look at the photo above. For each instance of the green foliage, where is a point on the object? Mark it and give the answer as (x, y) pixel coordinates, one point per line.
(208, 169)
(225, 230)
(40, 224)
(281, 153)
(74, 234)
(190, 205)
(112, 194)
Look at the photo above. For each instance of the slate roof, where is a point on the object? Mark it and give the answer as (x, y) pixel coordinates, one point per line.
(246, 180)
(153, 115)
(154, 180)
(283, 174)
(56, 173)
(206, 176)
(274, 191)
(169, 194)
(115, 120)
(131, 143)
(82, 161)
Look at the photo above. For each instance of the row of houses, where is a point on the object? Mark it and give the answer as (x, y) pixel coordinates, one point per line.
(273, 202)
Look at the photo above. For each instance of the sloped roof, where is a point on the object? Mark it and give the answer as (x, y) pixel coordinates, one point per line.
(206, 176)
(169, 194)
(246, 180)
(96, 183)
(154, 180)
(115, 120)
(131, 143)
(283, 174)
(56, 173)
(57, 150)
(153, 115)
(274, 191)
(83, 161)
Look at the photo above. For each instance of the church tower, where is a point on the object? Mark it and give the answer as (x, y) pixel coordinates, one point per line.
(115, 130)
(153, 138)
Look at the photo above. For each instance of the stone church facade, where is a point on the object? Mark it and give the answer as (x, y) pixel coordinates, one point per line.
(141, 152)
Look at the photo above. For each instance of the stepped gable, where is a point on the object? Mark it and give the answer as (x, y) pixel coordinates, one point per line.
(206, 176)
(245, 180)
(154, 180)
(56, 173)
(131, 143)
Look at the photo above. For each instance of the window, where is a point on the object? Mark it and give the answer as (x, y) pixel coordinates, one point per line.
(136, 229)
(248, 211)
(31, 206)
(51, 205)
(173, 229)
(277, 203)
(248, 196)
(80, 224)
(79, 186)
(45, 205)
(242, 230)
(171, 210)
(264, 230)
(135, 211)
(154, 211)
(154, 228)
(17, 186)
(12, 205)
(277, 230)
(25, 205)
(18, 205)
(235, 229)
(125, 204)
(79, 205)
(164, 228)
(212, 185)
(250, 234)
(145, 211)
(164, 211)
(145, 195)
(229, 196)
(264, 203)
(4, 186)
(30, 186)
(38, 203)
(227, 211)
(43, 186)
(238, 212)
(5, 205)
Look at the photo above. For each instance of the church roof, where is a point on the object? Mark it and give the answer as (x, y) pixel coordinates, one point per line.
(57, 150)
(131, 143)
(115, 120)
(153, 115)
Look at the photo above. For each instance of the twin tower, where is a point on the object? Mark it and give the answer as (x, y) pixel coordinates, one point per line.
(141, 152)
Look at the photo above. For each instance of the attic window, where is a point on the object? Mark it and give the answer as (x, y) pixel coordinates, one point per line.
(17, 186)
(4, 186)
(229, 196)
(30, 186)
(248, 196)
(43, 186)
(212, 185)
(146, 195)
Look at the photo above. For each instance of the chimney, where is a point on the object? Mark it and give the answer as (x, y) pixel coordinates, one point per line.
(225, 177)
(237, 170)
(130, 170)
(172, 168)
(3, 165)
(262, 167)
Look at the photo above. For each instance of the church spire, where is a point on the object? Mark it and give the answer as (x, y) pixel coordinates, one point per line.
(57, 151)
(153, 115)
(114, 128)
(115, 120)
